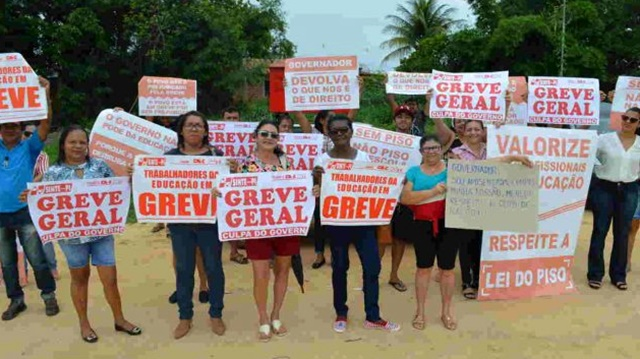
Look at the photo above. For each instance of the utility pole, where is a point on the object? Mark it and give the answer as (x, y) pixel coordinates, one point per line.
(562, 39)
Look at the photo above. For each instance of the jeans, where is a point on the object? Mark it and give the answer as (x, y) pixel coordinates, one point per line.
(20, 223)
(184, 240)
(50, 253)
(469, 255)
(319, 232)
(364, 239)
(615, 201)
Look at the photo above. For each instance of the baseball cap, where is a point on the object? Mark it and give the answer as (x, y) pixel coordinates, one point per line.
(403, 109)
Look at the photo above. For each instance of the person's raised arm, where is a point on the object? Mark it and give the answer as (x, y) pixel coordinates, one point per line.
(45, 125)
(443, 132)
(303, 121)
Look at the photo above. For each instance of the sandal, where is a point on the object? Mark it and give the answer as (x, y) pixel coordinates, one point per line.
(399, 286)
(133, 331)
(621, 285)
(448, 322)
(91, 338)
(157, 228)
(239, 258)
(418, 323)
(469, 293)
(278, 329)
(264, 333)
(595, 284)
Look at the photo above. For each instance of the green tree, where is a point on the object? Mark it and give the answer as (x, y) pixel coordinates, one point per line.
(416, 20)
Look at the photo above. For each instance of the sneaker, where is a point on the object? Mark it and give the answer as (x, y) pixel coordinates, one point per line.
(173, 298)
(382, 324)
(15, 308)
(51, 307)
(340, 325)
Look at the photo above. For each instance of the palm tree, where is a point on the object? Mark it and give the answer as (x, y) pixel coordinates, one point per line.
(416, 20)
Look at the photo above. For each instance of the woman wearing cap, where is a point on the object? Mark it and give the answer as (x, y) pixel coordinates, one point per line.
(614, 198)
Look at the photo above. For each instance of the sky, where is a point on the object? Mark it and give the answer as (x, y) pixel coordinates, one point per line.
(348, 27)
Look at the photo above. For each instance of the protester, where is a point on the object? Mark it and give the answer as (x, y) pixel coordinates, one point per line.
(418, 116)
(615, 197)
(18, 158)
(340, 130)
(74, 163)
(285, 122)
(402, 221)
(193, 140)
(424, 192)
(232, 114)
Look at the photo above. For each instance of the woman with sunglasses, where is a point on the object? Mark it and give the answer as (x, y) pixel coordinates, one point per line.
(364, 239)
(267, 156)
(614, 197)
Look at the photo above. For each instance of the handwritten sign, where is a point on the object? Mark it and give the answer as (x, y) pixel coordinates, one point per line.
(627, 95)
(469, 96)
(387, 147)
(166, 96)
(117, 137)
(265, 205)
(176, 189)
(522, 265)
(359, 193)
(408, 83)
(564, 100)
(494, 196)
(321, 83)
(21, 96)
(80, 208)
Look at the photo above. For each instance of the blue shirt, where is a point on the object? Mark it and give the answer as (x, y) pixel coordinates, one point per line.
(94, 168)
(16, 170)
(422, 181)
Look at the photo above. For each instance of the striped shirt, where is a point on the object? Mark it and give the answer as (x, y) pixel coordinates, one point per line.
(42, 165)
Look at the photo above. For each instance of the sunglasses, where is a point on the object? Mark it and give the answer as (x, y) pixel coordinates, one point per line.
(339, 131)
(267, 134)
(626, 118)
(430, 149)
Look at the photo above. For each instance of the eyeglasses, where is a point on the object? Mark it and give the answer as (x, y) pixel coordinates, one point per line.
(626, 118)
(339, 131)
(196, 127)
(430, 149)
(267, 134)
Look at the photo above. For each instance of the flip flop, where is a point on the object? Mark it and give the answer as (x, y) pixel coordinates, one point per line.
(418, 323)
(264, 333)
(469, 293)
(448, 322)
(278, 329)
(621, 285)
(399, 286)
(91, 338)
(240, 259)
(595, 284)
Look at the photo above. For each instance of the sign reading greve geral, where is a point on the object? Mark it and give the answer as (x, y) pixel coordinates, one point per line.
(469, 96)
(564, 100)
(321, 83)
(166, 96)
(80, 208)
(117, 137)
(265, 205)
(387, 147)
(627, 95)
(407, 83)
(21, 96)
(176, 189)
(359, 193)
(302, 148)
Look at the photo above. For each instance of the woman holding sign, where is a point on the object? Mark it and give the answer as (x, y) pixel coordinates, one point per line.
(340, 130)
(74, 164)
(614, 198)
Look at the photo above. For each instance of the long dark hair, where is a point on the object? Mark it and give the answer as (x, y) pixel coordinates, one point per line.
(278, 151)
(316, 122)
(182, 119)
(636, 110)
(62, 156)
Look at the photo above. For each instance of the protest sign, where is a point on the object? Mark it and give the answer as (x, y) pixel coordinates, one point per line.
(302, 148)
(321, 83)
(166, 96)
(469, 96)
(520, 265)
(627, 95)
(518, 111)
(21, 96)
(359, 193)
(79, 208)
(564, 100)
(488, 195)
(265, 205)
(176, 189)
(387, 147)
(408, 83)
(117, 137)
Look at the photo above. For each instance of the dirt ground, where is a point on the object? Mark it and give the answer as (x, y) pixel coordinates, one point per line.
(591, 324)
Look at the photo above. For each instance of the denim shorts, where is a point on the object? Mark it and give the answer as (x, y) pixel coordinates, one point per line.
(101, 253)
